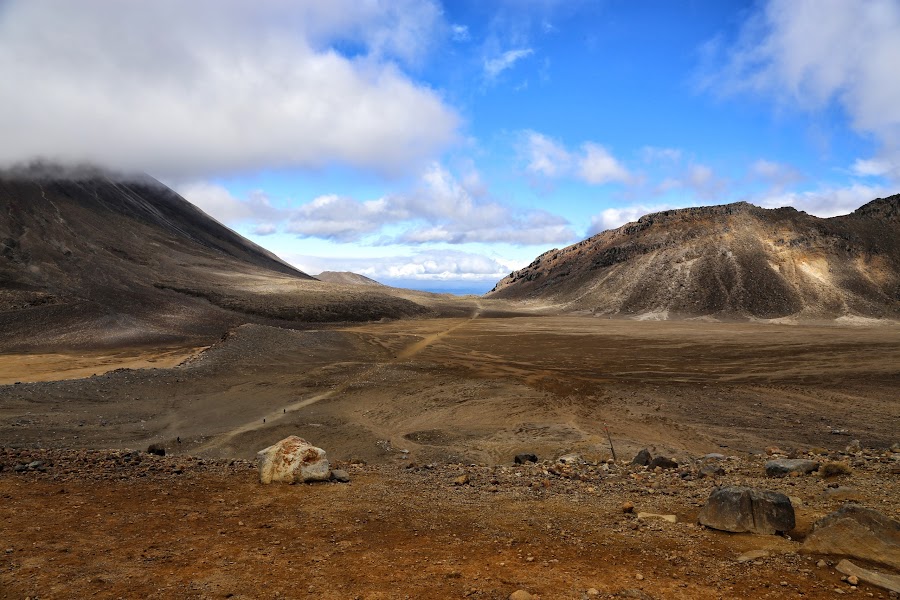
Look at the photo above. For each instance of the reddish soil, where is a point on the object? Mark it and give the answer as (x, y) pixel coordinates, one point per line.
(112, 524)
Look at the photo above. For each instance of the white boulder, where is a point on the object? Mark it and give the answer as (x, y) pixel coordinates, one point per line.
(292, 460)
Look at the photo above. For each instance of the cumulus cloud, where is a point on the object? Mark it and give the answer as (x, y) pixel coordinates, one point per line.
(825, 201)
(435, 265)
(496, 65)
(591, 163)
(612, 218)
(775, 174)
(875, 168)
(216, 201)
(597, 165)
(209, 86)
(698, 179)
(440, 209)
(812, 53)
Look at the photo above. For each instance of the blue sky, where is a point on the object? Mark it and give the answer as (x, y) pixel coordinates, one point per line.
(441, 145)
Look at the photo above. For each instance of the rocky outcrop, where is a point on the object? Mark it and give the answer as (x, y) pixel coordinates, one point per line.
(856, 532)
(292, 460)
(783, 467)
(729, 261)
(884, 580)
(742, 509)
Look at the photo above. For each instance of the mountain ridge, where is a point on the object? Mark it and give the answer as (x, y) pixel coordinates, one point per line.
(726, 261)
(90, 257)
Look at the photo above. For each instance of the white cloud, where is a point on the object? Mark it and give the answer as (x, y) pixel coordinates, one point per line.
(265, 229)
(822, 202)
(494, 66)
(652, 154)
(191, 89)
(778, 175)
(440, 209)
(435, 265)
(216, 201)
(545, 156)
(597, 166)
(811, 53)
(874, 168)
(699, 175)
(698, 179)
(593, 163)
(825, 201)
(612, 218)
(459, 33)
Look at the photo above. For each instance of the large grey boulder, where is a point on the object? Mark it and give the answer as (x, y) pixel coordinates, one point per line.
(785, 466)
(292, 460)
(856, 532)
(642, 458)
(743, 509)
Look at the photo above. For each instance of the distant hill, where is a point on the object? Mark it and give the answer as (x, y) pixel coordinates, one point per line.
(95, 258)
(347, 278)
(731, 261)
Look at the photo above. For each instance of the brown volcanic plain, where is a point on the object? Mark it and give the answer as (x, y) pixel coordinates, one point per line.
(410, 392)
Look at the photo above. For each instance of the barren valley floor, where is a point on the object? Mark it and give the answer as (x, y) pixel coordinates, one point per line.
(476, 390)
(414, 405)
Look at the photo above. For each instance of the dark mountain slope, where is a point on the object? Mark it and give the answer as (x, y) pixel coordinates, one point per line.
(100, 259)
(730, 261)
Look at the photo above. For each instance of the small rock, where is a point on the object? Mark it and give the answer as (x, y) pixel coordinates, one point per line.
(713, 456)
(821, 564)
(663, 462)
(461, 480)
(853, 580)
(786, 466)
(834, 469)
(156, 449)
(843, 494)
(592, 592)
(627, 507)
(520, 595)
(646, 515)
(711, 471)
(571, 459)
(642, 458)
(340, 475)
(522, 459)
(639, 577)
(752, 555)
